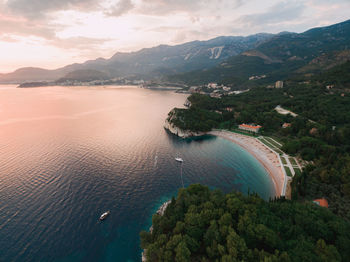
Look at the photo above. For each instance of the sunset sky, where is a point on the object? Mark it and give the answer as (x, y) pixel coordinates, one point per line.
(54, 33)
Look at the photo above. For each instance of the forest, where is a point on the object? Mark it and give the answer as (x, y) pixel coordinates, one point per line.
(207, 225)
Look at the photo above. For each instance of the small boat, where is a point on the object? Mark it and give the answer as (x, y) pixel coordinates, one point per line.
(105, 215)
(179, 159)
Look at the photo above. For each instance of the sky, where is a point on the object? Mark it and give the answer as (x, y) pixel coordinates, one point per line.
(54, 33)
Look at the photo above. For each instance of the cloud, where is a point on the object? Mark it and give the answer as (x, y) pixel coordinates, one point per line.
(277, 14)
(182, 36)
(80, 43)
(36, 9)
(22, 27)
(165, 7)
(121, 8)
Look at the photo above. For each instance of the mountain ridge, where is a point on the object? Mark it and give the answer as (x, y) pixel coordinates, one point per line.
(280, 57)
(227, 59)
(153, 61)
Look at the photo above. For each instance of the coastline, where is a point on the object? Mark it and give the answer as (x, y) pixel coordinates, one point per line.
(160, 212)
(179, 132)
(267, 157)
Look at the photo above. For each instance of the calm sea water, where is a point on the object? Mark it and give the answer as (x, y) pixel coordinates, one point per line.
(69, 154)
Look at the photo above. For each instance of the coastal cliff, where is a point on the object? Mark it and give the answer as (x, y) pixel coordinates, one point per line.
(160, 212)
(170, 125)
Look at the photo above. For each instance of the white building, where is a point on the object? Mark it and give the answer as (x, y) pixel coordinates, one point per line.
(279, 84)
(250, 128)
(213, 85)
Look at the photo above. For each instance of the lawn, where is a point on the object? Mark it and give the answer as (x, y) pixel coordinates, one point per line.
(284, 161)
(297, 171)
(271, 141)
(242, 132)
(289, 173)
(292, 161)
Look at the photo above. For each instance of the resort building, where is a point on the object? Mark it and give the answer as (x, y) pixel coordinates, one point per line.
(279, 84)
(213, 85)
(250, 128)
(194, 89)
(321, 202)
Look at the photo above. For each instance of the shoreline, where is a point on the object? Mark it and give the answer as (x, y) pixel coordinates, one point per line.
(160, 212)
(266, 156)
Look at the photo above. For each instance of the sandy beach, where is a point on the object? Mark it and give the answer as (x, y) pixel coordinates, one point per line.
(262, 153)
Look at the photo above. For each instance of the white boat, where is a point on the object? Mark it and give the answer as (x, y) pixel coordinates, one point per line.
(179, 159)
(105, 215)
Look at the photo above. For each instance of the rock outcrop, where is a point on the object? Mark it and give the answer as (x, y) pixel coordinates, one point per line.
(160, 212)
(178, 131)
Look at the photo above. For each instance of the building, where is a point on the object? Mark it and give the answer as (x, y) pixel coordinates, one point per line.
(285, 125)
(215, 95)
(194, 89)
(250, 128)
(257, 77)
(279, 84)
(321, 202)
(213, 85)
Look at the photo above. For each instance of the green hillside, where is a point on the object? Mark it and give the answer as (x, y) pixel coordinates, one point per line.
(204, 225)
(338, 76)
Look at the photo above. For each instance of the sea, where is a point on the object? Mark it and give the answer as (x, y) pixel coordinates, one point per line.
(68, 154)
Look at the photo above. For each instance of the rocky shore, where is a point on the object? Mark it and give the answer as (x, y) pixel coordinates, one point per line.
(179, 132)
(160, 212)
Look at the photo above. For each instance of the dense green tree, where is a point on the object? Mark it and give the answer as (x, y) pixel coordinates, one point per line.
(245, 228)
(182, 252)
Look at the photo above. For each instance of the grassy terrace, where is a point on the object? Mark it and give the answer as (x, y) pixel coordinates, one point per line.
(238, 131)
(284, 161)
(297, 171)
(266, 142)
(273, 142)
(289, 173)
(292, 161)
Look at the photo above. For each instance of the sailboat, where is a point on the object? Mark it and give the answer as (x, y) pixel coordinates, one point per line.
(105, 215)
(179, 159)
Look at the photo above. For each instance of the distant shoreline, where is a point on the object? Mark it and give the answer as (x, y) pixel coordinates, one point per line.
(268, 158)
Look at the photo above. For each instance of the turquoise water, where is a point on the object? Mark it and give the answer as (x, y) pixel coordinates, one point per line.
(69, 154)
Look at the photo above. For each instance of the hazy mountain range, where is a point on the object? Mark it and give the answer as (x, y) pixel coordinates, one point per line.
(227, 59)
(150, 62)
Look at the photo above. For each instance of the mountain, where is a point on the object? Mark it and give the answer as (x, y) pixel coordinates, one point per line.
(31, 74)
(83, 75)
(151, 62)
(338, 76)
(326, 61)
(281, 56)
(227, 59)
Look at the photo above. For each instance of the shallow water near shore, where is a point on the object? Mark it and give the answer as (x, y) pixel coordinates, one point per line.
(69, 154)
